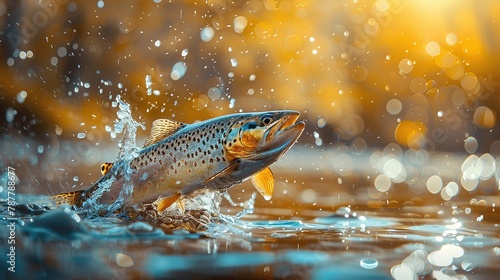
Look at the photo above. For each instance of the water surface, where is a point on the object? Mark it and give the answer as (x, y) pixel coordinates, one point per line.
(341, 233)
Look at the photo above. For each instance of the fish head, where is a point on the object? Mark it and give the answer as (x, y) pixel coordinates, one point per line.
(263, 136)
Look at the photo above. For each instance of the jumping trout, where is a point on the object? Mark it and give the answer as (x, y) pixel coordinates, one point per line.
(178, 159)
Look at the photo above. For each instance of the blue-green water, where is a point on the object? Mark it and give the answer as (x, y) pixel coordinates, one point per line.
(357, 242)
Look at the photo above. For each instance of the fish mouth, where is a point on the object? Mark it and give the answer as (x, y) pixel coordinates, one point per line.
(281, 134)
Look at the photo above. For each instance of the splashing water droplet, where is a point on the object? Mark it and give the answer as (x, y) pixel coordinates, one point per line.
(149, 82)
(81, 135)
(207, 33)
(178, 71)
(234, 62)
(368, 263)
(240, 22)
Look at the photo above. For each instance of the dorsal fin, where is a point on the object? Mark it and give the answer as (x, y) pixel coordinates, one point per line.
(161, 129)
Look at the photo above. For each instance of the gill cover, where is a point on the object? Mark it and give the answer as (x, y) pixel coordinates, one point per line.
(265, 136)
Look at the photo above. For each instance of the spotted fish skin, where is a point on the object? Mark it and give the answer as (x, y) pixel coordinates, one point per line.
(215, 154)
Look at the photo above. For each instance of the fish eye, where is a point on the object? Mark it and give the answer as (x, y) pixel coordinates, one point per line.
(266, 120)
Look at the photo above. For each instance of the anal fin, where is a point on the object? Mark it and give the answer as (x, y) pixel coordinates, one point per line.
(264, 183)
(165, 202)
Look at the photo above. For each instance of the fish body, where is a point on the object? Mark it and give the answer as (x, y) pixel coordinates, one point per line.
(180, 158)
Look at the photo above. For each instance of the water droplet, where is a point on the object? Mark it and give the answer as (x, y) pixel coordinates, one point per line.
(149, 83)
(62, 52)
(81, 135)
(234, 62)
(76, 178)
(368, 263)
(124, 260)
(318, 141)
(10, 61)
(121, 115)
(471, 145)
(240, 22)
(496, 251)
(178, 70)
(157, 43)
(214, 93)
(58, 130)
(54, 60)
(321, 122)
(21, 96)
(207, 33)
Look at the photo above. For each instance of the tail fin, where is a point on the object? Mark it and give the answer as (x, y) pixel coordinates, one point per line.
(70, 198)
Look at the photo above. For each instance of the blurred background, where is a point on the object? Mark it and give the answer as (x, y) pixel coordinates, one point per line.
(398, 82)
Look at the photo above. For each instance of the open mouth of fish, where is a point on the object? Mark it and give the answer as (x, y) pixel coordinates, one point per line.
(282, 133)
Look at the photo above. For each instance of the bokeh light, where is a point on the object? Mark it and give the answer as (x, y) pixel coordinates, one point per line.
(400, 101)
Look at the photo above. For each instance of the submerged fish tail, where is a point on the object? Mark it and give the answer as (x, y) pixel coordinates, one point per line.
(70, 198)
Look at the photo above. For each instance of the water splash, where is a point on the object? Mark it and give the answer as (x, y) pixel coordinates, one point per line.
(248, 206)
(125, 122)
(129, 150)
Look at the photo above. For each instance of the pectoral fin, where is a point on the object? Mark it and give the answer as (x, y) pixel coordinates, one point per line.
(224, 171)
(264, 183)
(165, 202)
